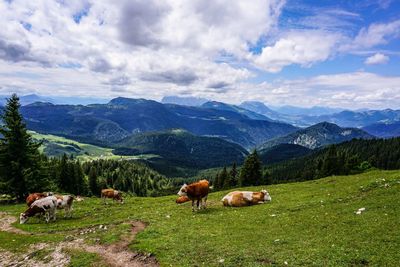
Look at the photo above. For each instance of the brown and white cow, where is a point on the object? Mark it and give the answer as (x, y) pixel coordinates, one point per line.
(245, 198)
(182, 199)
(46, 206)
(111, 193)
(196, 192)
(65, 202)
(35, 196)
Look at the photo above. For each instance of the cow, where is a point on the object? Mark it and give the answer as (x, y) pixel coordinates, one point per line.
(196, 192)
(245, 198)
(35, 196)
(111, 193)
(65, 202)
(182, 199)
(46, 205)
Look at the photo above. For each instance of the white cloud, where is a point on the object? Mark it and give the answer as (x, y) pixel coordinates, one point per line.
(301, 47)
(378, 58)
(162, 46)
(375, 34)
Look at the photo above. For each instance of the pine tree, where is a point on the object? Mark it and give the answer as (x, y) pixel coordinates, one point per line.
(93, 181)
(217, 182)
(224, 178)
(79, 179)
(233, 175)
(250, 173)
(20, 161)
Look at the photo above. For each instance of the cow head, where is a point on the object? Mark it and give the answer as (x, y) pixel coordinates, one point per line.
(267, 197)
(183, 190)
(118, 197)
(23, 218)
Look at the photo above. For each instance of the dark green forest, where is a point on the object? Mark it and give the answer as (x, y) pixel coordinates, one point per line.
(346, 158)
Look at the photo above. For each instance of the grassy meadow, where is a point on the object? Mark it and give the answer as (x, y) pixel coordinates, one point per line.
(54, 145)
(312, 223)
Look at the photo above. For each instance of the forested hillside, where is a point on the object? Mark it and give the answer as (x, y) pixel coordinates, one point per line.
(346, 158)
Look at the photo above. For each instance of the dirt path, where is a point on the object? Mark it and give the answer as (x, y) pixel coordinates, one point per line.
(5, 224)
(115, 255)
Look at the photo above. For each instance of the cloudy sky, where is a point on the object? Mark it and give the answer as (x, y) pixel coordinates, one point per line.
(338, 53)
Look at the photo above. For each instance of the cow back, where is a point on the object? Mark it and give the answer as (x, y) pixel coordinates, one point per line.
(198, 190)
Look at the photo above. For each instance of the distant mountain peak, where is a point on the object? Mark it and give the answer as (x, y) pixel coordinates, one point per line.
(320, 134)
(184, 100)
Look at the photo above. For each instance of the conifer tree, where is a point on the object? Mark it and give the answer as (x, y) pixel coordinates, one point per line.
(224, 178)
(233, 175)
(250, 173)
(93, 181)
(20, 162)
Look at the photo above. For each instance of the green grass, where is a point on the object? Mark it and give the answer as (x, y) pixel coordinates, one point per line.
(81, 258)
(311, 223)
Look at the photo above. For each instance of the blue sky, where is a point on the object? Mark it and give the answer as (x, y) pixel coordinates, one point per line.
(295, 52)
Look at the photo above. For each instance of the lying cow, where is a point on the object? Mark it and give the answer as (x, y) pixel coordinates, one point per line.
(65, 202)
(111, 193)
(46, 206)
(182, 199)
(35, 196)
(245, 198)
(196, 191)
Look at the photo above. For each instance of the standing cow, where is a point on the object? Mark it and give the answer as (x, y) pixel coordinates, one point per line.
(245, 198)
(111, 193)
(45, 205)
(65, 202)
(196, 191)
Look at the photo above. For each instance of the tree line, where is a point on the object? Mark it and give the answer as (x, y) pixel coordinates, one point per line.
(351, 157)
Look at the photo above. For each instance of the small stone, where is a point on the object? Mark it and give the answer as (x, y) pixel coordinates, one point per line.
(286, 263)
(221, 261)
(168, 216)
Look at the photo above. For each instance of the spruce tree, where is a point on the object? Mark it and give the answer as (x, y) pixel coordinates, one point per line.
(93, 181)
(20, 162)
(250, 173)
(233, 175)
(224, 178)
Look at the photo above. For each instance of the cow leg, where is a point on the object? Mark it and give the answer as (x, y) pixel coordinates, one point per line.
(47, 216)
(198, 204)
(193, 205)
(205, 202)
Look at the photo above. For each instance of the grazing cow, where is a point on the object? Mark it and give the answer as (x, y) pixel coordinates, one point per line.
(35, 196)
(245, 198)
(182, 199)
(65, 202)
(111, 193)
(46, 205)
(196, 191)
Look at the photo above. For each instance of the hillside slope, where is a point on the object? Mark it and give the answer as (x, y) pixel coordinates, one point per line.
(181, 148)
(312, 223)
(384, 130)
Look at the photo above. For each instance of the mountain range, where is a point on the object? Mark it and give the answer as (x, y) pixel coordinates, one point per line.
(318, 135)
(122, 117)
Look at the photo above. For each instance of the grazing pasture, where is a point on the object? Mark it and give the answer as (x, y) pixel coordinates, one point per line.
(313, 223)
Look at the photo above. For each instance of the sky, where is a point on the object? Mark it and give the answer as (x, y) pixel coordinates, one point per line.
(336, 53)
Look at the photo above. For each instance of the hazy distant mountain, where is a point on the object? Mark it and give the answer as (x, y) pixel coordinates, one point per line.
(179, 147)
(184, 100)
(121, 117)
(61, 100)
(318, 135)
(313, 111)
(384, 130)
(238, 109)
(359, 119)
